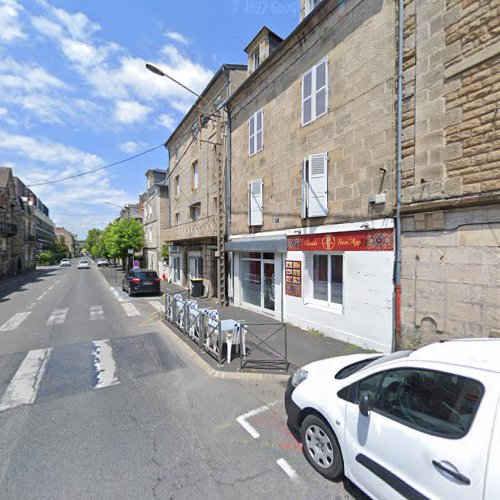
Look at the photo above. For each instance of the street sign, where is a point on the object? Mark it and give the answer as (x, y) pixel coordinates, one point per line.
(130, 251)
(136, 264)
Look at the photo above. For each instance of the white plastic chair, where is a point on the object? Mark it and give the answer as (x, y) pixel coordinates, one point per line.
(212, 328)
(233, 337)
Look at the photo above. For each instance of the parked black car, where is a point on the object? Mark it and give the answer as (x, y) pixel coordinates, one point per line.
(141, 281)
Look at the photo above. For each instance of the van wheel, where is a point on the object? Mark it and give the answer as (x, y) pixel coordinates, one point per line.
(321, 448)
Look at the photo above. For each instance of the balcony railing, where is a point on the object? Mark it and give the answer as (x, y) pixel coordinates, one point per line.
(8, 229)
(203, 228)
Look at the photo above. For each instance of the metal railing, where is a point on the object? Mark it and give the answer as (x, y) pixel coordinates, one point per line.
(264, 346)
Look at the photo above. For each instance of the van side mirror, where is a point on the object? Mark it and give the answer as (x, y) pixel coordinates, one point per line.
(365, 405)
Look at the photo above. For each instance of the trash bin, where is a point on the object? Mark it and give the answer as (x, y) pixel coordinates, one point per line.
(196, 287)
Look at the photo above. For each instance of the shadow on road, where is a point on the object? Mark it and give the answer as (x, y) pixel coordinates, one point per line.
(18, 284)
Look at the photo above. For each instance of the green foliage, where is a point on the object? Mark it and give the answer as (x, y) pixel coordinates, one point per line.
(121, 235)
(45, 258)
(92, 240)
(165, 251)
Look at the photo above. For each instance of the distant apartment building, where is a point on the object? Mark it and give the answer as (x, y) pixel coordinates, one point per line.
(451, 171)
(27, 235)
(313, 173)
(69, 240)
(154, 204)
(132, 211)
(198, 166)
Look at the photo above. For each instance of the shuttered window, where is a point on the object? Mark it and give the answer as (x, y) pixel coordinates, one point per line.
(315, 186)
(255, 192)
(256, 132)
(315, 92)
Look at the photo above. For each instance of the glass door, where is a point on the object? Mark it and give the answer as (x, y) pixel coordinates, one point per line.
(251, 283)
(268, 288)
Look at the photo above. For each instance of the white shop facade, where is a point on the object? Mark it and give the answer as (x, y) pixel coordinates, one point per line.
(335, 279)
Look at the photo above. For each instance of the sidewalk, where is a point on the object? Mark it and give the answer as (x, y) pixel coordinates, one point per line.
(303, 347)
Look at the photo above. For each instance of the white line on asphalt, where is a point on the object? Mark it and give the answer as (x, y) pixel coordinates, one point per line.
(96, 313)
(289, 470)
(130, 309)
(57, 317)
(104, 364)
(116, 293)
(41, 296)
(242, 419)
(57, 281)
(24, 385)
(157, 305)
(50, 287)
(14, 322)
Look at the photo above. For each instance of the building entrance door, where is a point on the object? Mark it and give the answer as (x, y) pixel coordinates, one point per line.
(258, 280)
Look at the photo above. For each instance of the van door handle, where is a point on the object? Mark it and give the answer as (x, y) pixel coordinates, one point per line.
(453, 473)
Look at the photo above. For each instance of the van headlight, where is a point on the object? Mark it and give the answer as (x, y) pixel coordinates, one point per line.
(299, 376)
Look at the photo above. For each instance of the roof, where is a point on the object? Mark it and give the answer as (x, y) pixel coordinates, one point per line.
(222, 69)
(263, 30)
(480, 353)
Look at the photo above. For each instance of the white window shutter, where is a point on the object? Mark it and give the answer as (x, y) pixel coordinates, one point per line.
(321, 88)
(318, 185)
(256, 217)
(251, 135)
(259, 130)
(307, 97)
(305, 189)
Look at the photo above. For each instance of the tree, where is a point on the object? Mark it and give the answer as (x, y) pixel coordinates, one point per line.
(92, 240)
(121, 235)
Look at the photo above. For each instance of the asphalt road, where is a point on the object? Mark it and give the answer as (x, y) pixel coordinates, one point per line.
(97, 401)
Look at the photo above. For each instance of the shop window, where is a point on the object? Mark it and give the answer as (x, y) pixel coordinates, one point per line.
(328, 278)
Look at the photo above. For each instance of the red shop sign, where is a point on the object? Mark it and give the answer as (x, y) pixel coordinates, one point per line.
(372, 240)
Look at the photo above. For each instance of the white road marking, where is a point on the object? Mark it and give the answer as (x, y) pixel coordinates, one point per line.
(14, 322)
(24, 385)
(130, 309)
(57, 281)
(57, 317)
(116, 293)
(96, 313)
(242, 419)
(41, 296)
(50, 287)
(157, 305)
(104, 364)
(289, 470)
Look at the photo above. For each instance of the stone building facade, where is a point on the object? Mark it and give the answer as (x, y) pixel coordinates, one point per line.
(312, 175)
(451, 170)
(196, 182)
(69, 240)
(155, 218)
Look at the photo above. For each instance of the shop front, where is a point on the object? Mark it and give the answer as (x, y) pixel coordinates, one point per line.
(340, 283)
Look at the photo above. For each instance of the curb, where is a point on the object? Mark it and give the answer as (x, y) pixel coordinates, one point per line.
(212, 372)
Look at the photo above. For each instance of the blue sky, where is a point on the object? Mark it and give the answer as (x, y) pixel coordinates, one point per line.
(74, 93)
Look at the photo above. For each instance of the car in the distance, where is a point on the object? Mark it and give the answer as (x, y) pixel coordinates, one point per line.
(65, 263)
(141, 281)
(412, 424)
(84, 264)
(102, 262)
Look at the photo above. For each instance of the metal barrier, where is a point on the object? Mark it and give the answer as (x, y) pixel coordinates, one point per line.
(264, 346)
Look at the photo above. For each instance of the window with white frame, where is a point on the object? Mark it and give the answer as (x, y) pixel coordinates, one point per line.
(177, 186)
(195, 211)
(328, 278)
(256, 132)
(311, 5)
(315, 92)
(255, 207)
(195, 175)
(256, 58)
(315, 186)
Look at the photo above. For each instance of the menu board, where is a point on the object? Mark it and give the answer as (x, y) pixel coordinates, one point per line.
(293, 278)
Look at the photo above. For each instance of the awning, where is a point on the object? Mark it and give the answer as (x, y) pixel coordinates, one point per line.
(275, 243)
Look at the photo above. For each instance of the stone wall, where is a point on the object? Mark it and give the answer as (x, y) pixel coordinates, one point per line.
(451, 170)
(357, 131)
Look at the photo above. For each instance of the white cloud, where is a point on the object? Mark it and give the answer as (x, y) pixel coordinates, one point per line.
(131, 147)
(3, 111)
(10, 26)
(49, 152)
(177, 37)
(166, 121)
(128, 112)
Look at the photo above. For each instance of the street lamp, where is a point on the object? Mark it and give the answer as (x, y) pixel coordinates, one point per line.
(113, 204)
(157, 71)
